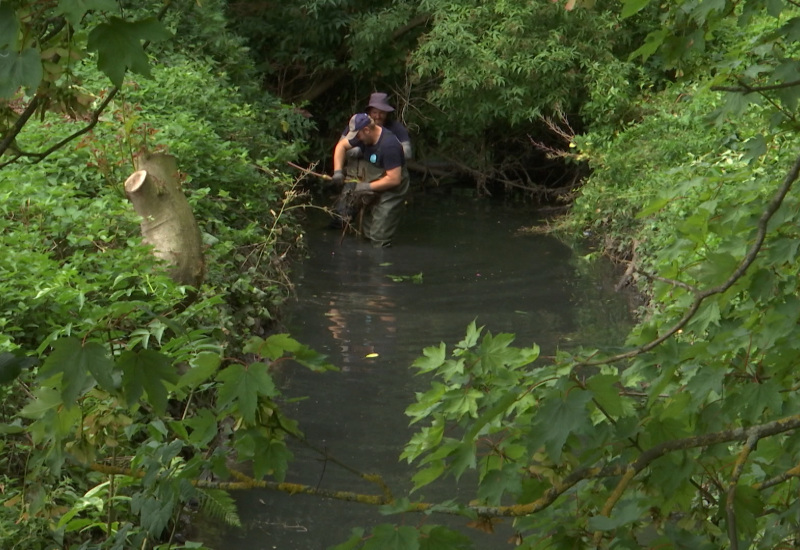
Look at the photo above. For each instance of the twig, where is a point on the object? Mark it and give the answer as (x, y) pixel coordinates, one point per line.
(308, 171)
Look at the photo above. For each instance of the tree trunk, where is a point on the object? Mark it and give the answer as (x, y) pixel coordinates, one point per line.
(168, 223)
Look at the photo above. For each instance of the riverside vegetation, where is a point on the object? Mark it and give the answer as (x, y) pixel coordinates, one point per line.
(123, 403)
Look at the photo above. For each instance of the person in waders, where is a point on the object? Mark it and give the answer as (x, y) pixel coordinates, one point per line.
(382, 173)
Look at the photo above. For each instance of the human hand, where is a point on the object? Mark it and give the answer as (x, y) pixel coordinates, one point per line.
(337, 178)
(362, 187)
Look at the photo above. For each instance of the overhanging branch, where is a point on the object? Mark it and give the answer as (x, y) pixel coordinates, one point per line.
(630, 470)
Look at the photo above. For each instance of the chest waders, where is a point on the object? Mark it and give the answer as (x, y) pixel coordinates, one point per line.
(379, 219)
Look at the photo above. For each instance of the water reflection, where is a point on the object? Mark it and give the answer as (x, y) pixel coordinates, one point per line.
(360, 306)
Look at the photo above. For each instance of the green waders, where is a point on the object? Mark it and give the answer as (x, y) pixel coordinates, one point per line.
(382, 216)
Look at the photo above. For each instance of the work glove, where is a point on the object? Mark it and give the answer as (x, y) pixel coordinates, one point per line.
(362, 187)
(355, 189)
(337, 178)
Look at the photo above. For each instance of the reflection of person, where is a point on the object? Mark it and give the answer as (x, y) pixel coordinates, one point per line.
(384, 173)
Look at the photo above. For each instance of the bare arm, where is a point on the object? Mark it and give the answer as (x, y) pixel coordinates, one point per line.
(339, 153)
(389, 180)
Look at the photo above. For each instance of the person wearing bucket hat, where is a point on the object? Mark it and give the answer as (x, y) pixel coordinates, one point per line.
(384, 174)
(379, 109)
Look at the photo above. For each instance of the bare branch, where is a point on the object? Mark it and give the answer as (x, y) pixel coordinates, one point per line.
(793, 472)
(671, 282)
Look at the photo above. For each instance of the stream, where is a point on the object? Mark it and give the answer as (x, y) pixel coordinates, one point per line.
(372, 311)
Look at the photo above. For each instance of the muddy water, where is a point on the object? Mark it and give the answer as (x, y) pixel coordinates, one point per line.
(372, 312)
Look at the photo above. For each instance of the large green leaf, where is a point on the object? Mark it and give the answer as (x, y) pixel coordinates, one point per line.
(155, 512)
(119, 47)
(428, 475)
(494, 352)
(748, 507)
(74, 360)
(19, 70)
(204, 427)
(433, 357)
(652, 43)
(605, 389)
(277, 345)
(427, 402)
(45, 399)
(202, 368)
(498, 483)
(272, 458)
(757, 397)
(706, 384)
(243, 385)
(147, 371)
(623, 514)
(273, 347)
(559, 417)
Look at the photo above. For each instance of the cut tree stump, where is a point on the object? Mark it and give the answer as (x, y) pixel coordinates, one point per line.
(168, 223)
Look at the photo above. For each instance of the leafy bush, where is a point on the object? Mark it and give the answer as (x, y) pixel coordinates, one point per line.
(81, 293)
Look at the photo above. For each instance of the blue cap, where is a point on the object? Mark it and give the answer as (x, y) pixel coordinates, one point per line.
(358, 121)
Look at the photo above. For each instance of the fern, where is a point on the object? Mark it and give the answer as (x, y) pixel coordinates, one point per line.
(217, 504)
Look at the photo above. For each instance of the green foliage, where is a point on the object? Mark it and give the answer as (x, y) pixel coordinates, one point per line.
(481, 384)
(515, 61)
(699, 195)
(80, 425)
(672, 148)
(129, 383)
(40, 44)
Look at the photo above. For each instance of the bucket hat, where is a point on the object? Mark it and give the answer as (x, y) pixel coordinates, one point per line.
(380, 100)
